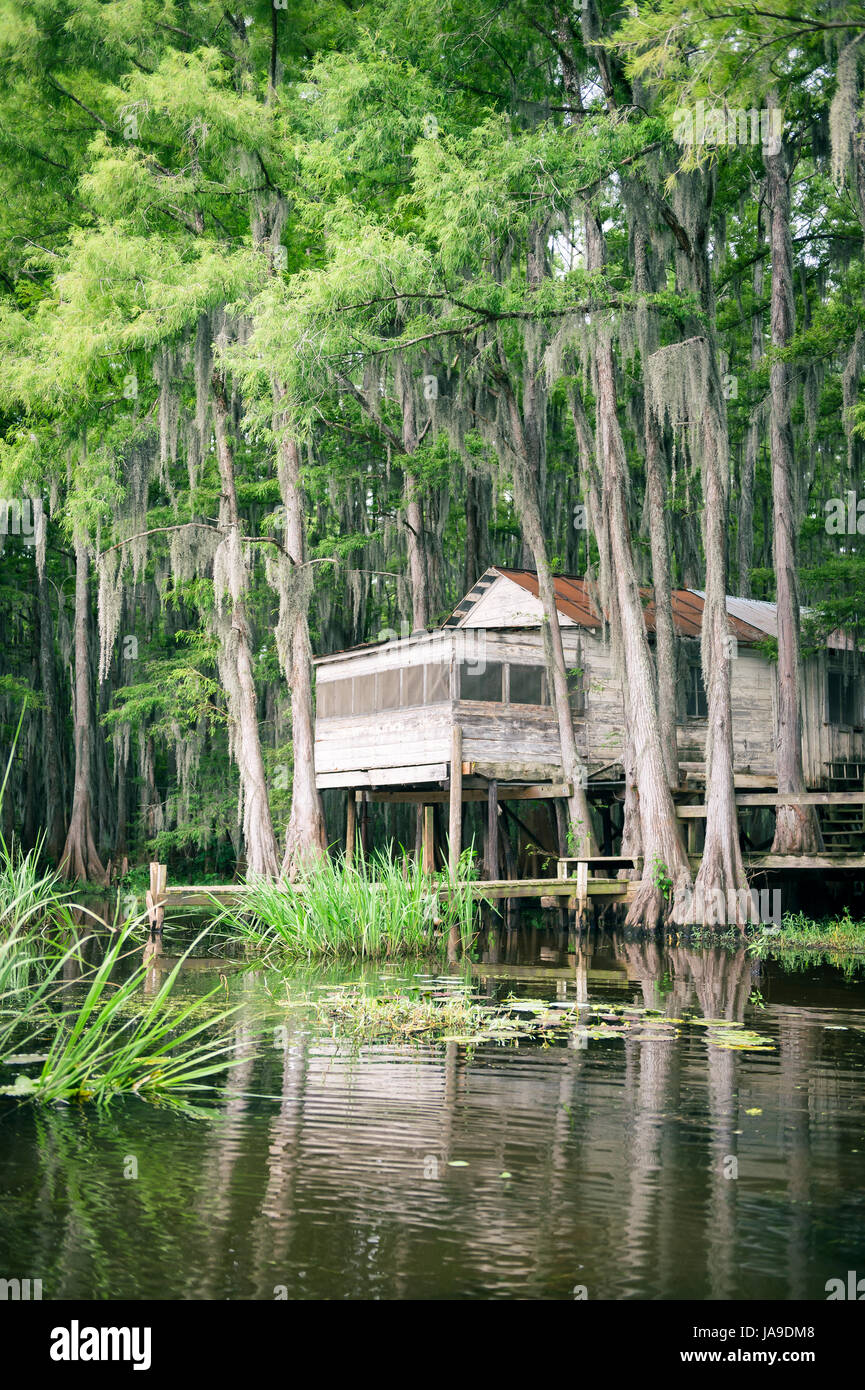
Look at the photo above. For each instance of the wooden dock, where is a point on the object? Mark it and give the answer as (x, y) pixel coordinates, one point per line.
(578, 881)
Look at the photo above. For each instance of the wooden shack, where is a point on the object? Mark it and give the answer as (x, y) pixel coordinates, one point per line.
(396, 717)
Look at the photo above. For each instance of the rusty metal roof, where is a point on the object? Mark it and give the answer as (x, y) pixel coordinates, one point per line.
(573, 600)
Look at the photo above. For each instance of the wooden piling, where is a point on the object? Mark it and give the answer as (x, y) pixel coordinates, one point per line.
(350, 826)
(428, 843)
(155, 898)
(455, 805)
(493, 830)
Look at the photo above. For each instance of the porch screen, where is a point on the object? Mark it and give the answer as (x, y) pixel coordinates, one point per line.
(437, 680)
(528, 685)
(482, 682)
(387, 689)
(333, 699)
(412, 685)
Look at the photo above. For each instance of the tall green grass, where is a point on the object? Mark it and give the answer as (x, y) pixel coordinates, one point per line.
(384, 906)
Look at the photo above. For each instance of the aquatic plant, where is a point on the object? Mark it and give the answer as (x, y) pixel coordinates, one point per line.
(383, 906)
(107, 1044)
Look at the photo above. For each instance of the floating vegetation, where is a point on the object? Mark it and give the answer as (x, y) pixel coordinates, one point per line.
(444, 1010)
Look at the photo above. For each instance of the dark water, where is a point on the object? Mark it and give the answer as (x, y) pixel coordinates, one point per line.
(325, 1172)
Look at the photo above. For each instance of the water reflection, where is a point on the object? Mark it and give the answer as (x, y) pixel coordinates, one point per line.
(638, 1169)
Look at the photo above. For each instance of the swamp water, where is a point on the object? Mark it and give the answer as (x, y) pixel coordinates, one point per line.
(628, 1157)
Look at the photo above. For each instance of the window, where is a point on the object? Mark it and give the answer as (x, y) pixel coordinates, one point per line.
(528, 685)
(576, 691)
(844, 699)
(482, 682)
(696, 706)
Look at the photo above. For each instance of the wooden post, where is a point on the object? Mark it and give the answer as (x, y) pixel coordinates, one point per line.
(493, 830)
(350, 826)
(155, 898)
(364, 826)
(692, 837)
(428, 856)
(582, 888)
(455, 821)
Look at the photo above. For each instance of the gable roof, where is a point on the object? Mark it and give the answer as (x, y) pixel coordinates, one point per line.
(750, 620)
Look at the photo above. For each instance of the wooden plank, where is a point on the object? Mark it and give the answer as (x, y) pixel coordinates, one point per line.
(805, 861)
(698, 812)
(510, 771)
(625, 861)
(541, 887)
(536, 791)
(382, 776)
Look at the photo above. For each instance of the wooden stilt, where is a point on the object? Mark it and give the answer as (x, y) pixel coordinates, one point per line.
(492, 830)
(455, 819)
(418, 832)
(428, 852)
(350, 825)
(364, 826)
(582, 888)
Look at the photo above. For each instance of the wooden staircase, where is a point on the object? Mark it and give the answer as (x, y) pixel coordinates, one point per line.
(844, 826)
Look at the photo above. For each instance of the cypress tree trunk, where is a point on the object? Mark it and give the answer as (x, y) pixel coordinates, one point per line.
(417, 565)
(236, 664)
(721, 886)
(305, 837)
(797, 830)
(659, 540)
(662, 842)
(80, 859)
(745, 545)
(52, 756)
(527, 503)
(721, 881)
(414, 519)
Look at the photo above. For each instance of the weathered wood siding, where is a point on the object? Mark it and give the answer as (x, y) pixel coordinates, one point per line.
(824, 743)
(416, 736)
(752, 694)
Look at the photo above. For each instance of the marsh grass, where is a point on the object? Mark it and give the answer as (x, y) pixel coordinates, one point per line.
(386, 906)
